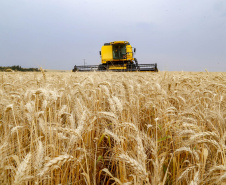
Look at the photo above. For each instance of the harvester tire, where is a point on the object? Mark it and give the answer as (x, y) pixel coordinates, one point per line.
(102, 67)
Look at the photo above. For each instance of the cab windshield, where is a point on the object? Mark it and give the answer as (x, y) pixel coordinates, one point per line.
(119, 51)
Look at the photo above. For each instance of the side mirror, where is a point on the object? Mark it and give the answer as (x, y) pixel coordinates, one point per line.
(100, 52)
(134, 50)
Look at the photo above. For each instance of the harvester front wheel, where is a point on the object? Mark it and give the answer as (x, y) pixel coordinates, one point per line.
(136, 63)
(75, 69)
(102, 67)
(156, 68)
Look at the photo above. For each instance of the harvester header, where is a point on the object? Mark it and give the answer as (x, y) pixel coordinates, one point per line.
(117, 56)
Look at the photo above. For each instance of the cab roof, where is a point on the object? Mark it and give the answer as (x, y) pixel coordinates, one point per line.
(119, 42)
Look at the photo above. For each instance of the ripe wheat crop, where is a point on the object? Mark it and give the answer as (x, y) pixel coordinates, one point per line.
(113, 128)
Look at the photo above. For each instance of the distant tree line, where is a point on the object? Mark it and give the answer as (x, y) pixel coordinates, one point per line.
(18, 68)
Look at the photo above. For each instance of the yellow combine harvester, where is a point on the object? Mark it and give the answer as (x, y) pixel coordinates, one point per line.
(117, 56)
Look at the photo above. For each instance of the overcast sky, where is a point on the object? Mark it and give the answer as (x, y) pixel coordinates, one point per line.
(188, 35)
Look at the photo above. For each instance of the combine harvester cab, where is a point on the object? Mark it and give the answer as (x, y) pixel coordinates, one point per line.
(117, 56)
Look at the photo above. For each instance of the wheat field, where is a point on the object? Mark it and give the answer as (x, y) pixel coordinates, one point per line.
(112, 128)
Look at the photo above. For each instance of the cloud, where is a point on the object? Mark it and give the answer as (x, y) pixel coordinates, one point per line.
(59, 34)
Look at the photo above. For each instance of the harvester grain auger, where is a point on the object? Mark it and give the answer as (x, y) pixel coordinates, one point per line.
(117, 56)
